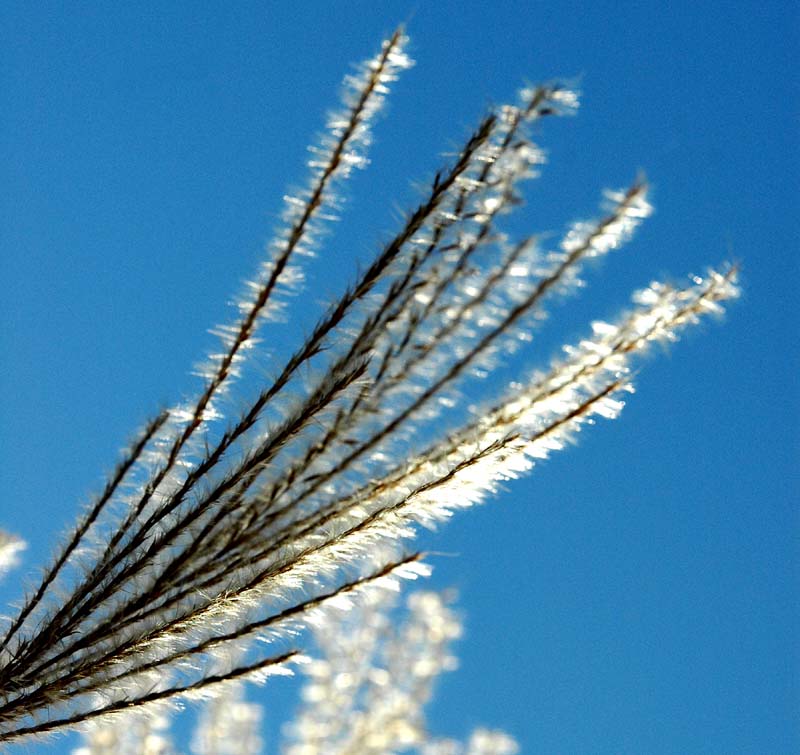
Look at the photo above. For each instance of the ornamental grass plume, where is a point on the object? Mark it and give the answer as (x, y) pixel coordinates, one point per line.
(215, 543)
(367, 691)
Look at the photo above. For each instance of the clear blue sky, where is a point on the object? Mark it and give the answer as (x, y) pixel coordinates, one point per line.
(638, 593)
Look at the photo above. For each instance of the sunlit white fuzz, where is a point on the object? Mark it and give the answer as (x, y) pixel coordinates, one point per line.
(481, 742)
(211, 549)
(10, 548)
(145, 733)
(367, 691)
(228, 725)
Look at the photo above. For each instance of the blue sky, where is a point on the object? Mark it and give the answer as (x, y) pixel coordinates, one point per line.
(637, 593)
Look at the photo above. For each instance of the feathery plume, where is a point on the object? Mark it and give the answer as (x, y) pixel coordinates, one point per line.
(211, 548)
